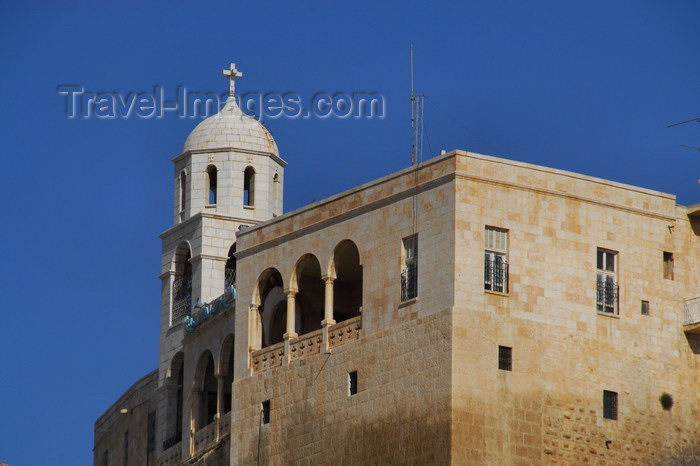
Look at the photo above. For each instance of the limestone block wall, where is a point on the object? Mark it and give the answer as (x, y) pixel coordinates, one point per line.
(402, 356)
(549, 408)
(400, 414)
(140, 401)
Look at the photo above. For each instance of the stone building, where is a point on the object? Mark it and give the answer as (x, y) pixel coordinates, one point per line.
(466, 310)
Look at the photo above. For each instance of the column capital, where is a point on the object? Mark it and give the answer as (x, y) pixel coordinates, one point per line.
(291, 291)
(328, 278)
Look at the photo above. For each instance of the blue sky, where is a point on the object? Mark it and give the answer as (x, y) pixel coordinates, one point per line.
(581, 86)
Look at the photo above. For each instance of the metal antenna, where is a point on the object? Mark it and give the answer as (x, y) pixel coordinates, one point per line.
(416, 122)
(413, 116)
(681, 123)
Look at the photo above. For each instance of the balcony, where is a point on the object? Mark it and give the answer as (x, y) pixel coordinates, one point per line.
(306, 345)
(208, 310)
(691, 323)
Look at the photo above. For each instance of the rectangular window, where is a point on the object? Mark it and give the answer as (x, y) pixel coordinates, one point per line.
(610, 405)
(266, 412)
(505, 358)
(126, 448)
(105, 458)
(606, 282)
(151, 431)
(496, 260)
(645, 308)
(352, 383)
(668, 265)
(409, 269)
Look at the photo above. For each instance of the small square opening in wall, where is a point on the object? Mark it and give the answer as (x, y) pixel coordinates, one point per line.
(352, 383)
(609, 405)
(266, 412)
(505, 358)
(645, 308)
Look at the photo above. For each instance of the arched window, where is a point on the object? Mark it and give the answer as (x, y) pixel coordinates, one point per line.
(347, 294)
(310, 298)
(272, 308)
(208, 395)
(275, 192)
(182, 285)
(249, 187)
(183, 191)
(230, 270)
(174, 402)
(211, 184)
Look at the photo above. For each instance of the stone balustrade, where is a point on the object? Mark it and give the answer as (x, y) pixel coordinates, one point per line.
(692, 311)
(204, 436)
(269, 357)
(343, 332)
(306, 345)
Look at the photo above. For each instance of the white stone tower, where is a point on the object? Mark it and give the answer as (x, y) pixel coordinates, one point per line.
(229, 175)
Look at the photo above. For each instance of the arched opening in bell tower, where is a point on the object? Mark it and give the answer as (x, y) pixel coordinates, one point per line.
(211, 184)
(249, 186)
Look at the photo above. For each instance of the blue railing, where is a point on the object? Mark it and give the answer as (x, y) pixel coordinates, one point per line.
(208, 310)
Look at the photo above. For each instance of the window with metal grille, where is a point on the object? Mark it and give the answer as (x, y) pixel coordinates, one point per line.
(668, 265)
(230, 270)
(606, 282)
(496, 260)
(505, 358)
(609, 405)
(409, 272)
(266, 412)
(645, 308)
(352, 383)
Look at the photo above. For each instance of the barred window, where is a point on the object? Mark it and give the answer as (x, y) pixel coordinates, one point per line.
(409, 272)
(505, 358)
(496, 260)
(606, 282)
(266, 412)
(609, 405)
(645, 308)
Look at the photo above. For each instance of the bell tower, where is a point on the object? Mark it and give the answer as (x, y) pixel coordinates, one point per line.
(229, 175)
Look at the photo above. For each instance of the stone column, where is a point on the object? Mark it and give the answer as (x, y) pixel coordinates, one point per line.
(291, 314)
(194, 413)
(291, 321)
(219, 403)
(327, 312)
(254, 328)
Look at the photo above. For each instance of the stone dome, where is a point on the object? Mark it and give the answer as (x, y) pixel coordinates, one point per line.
(231, 128)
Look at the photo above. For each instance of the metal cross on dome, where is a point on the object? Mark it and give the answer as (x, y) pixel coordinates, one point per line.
(232, 73)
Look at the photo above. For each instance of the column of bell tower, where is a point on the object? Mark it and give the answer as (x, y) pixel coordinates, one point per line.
(228, 175)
